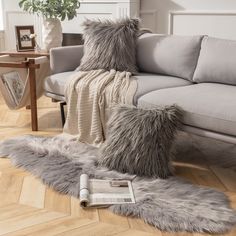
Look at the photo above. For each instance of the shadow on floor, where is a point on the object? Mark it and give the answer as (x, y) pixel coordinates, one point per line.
(198, 150)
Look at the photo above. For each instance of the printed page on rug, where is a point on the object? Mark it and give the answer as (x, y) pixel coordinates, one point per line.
(102, 193)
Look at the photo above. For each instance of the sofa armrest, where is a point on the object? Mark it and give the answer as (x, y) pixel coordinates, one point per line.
(64, 59)
(41, 60)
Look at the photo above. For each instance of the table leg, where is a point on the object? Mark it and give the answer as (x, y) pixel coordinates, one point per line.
(33, 96)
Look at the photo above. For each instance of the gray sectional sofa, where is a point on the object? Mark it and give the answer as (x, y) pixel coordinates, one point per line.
(198, 73)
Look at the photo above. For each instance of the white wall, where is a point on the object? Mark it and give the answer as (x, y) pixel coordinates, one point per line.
(13, 16)
(213, 17)
(1, 15)
(2, 41)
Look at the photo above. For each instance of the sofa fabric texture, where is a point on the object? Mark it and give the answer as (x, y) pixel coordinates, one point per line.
(56, 83)
(217, 61)
(139, 141)
(64, 59)
(168, 54)
(208, 106)
(110, 45)
(147, 82)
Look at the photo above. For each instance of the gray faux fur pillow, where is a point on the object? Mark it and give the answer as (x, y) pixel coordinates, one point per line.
(139, 141)
(110, 45)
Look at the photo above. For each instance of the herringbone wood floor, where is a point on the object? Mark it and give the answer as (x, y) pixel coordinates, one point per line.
(27, 207)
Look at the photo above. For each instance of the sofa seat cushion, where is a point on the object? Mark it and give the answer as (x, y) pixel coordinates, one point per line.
(146, 83)
(207, 106)
(56, 83)
(151, 82)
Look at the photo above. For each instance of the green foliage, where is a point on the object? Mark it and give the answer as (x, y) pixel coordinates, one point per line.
(60, 9)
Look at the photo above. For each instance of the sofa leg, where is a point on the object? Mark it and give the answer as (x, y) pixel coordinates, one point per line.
(63, 119)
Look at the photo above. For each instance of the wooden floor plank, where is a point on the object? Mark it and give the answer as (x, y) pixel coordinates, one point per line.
(110, 218)
(76, 210)
(179, 234)
(32, 198)
(53, 227)
(139, 225)
(13, 210)
(5, 163)
(10, 169)
(27, 220)
(10, 187)
(95, 229)
(203, 234)
(232, 232)
(185, 173)
(57, 202)
(207, 178)
(226, 176)
(134, 233)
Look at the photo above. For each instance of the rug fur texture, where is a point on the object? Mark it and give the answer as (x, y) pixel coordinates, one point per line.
(169, 204)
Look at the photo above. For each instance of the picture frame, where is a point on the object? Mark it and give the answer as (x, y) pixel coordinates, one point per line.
(23, 40)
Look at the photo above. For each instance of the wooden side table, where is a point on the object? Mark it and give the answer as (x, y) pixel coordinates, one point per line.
(28, 63)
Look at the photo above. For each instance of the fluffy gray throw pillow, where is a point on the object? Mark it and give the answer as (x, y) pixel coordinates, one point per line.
(139, 140)
(110, 45)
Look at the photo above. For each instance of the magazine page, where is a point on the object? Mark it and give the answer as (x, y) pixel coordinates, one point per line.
(9, 92)
(96, 192)
(14, 85)
(84, 190)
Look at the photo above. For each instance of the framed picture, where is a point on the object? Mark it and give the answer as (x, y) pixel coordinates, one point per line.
(23, 40)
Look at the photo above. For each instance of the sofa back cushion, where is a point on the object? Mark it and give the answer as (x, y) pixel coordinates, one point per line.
(217, 61)
(168, 54)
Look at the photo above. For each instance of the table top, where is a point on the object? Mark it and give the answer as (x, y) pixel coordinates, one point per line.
(16, 53)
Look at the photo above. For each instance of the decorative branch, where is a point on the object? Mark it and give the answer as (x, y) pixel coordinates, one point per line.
(60, 9)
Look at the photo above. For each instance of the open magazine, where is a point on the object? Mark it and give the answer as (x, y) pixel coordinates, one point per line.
(13, 85)
(102, 193)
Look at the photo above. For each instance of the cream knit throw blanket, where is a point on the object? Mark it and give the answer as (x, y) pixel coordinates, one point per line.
(89, 94)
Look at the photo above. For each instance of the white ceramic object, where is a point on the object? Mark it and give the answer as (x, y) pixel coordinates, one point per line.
(52, 33)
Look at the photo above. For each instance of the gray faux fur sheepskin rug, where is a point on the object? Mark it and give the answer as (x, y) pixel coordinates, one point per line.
(170, 205)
